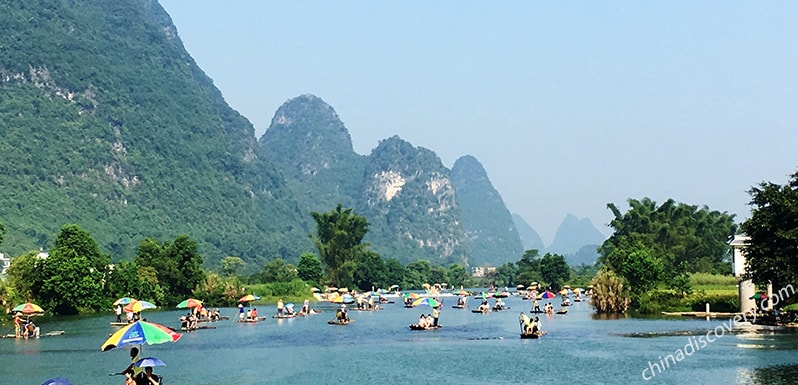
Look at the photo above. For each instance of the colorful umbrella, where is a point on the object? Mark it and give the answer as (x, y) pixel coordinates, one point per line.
(189, 303)
(411, 295)
(547, 295)
(149, 362)
(57, 381)
(138, 333)
(137, 306)
(759, 296)
(28, 308)
(462, 292)
(249, 298)
(431, 302)
(124, 301)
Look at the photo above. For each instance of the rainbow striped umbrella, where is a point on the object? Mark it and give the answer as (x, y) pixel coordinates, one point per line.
(431, 302)
(124, 301)
(139, 333)
(249, 298)
(137, 306)
(28, 308)
(191, 302)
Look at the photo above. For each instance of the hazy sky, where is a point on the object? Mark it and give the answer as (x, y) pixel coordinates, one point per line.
(567, 105)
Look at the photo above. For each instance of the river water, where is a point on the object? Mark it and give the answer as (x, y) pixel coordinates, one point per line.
(379, 348)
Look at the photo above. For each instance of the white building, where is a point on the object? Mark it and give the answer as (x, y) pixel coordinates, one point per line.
(745, 288)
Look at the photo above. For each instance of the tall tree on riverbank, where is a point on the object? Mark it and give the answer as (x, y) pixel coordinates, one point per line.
(339, 237)
(178, 266)
(772, 252)
(653, 244)
(74, 273)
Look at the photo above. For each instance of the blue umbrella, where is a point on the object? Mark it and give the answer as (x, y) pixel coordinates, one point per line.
(57, 381)
(149, 361)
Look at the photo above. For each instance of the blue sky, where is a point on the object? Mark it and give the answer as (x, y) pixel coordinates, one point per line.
(568, 106)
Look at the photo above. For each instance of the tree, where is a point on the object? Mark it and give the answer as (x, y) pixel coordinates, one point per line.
(339, 234)
(25, 274)
(395, 272)
(278, 270)
(177, 266)
(310, 268)
(370, 271)
(554, 270)
(506, 274)
(458, 276)
(679, 235)
(528, 268)
(772, 251)
(71, 283)
(232, 265)
(81, 242)
(74, 273)
(636, 264)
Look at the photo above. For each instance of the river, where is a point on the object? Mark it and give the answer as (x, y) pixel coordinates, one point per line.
(579, 348)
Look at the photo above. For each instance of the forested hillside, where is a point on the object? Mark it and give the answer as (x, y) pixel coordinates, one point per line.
(106, 121)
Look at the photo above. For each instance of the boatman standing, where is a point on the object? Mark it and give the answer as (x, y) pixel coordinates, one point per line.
(435, 314)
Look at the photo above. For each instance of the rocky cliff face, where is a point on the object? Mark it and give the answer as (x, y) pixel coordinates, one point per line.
(410, 201)
(489, 228)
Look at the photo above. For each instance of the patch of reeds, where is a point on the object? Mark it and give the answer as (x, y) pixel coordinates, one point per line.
(609, 293)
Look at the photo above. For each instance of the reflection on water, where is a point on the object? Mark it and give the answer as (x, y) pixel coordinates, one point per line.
(777, 374)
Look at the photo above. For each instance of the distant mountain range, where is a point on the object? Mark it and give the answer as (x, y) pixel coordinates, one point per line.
(106, 121)
(576, 239)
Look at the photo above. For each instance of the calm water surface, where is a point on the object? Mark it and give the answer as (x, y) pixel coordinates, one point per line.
(380, 348)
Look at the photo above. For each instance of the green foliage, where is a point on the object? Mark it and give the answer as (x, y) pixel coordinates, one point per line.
(160, 152)
(177, 266)
(706, 279)
(25, 275)
(277, 270)
(232, 265)
(130, 280)
(683, 237)
(657, 301)
(772, 251)
(293, 291)
(217, 290)
(310, 268)
(529, 268)
(554, 270)
(458, 276)
(339, 234)
(370, 271)
(71, 283)
(636, 264)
